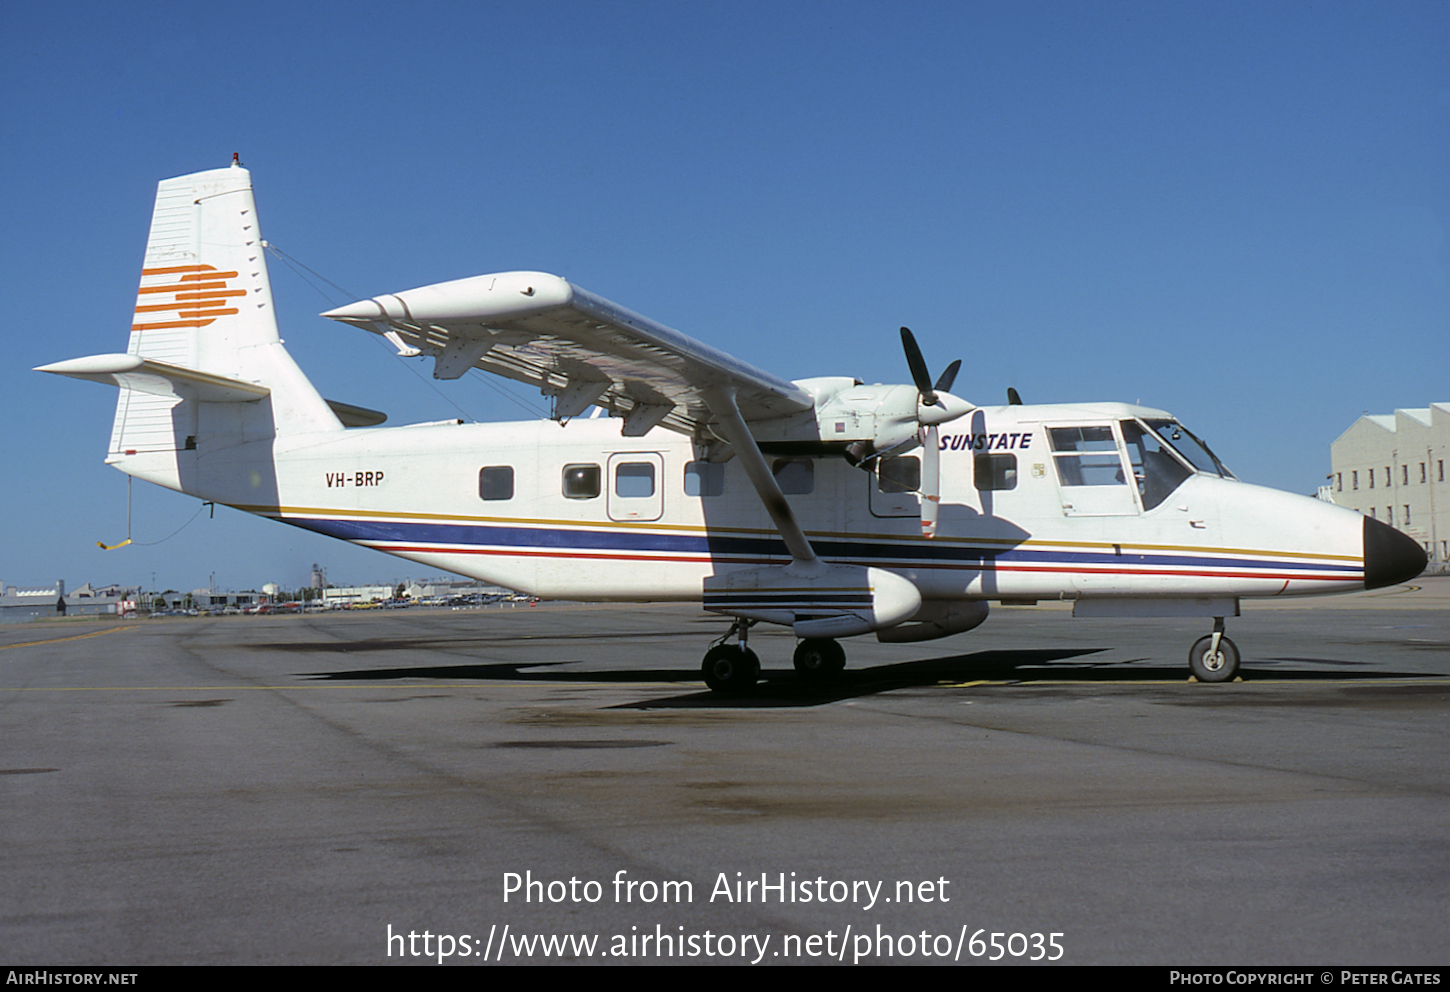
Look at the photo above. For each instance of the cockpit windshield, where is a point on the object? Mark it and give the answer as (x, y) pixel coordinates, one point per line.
(1163, 454)
(1183, 441)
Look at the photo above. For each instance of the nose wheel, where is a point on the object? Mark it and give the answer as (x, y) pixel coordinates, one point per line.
(1214, 658)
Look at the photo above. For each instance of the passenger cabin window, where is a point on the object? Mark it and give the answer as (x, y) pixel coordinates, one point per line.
(795, 476)
(995, 472)
(634, 480)
(704, 479)
(496, 482)
(1086, 456)
(581, 481)
(901, 474)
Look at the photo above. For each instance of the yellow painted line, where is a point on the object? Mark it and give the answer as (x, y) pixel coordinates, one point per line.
(74, 637)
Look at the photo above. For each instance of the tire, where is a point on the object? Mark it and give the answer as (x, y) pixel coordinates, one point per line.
(1219, 669)
(730, 669)
(819, 657)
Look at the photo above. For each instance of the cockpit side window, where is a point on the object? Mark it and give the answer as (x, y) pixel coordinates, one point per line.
(1157, 472)
(1086, 456)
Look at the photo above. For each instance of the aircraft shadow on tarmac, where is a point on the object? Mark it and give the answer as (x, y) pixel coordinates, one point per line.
(786, 688)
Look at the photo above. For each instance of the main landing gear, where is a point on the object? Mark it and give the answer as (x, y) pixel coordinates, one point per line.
(734, 668)
(819, 658)
(1214, 658)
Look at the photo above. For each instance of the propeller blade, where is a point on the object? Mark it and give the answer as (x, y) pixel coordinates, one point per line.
(917, 364)
(1012, 398)
(944, 384)
(930, 482)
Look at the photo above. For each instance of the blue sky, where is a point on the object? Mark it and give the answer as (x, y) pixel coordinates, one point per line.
(1233, 211)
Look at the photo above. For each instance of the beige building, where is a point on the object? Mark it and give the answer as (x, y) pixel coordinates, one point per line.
(1392, 467)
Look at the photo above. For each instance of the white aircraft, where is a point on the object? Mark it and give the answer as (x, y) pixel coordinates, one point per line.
(832, 506)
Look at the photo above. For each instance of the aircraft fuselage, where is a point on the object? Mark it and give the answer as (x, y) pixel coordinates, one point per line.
(574, 511)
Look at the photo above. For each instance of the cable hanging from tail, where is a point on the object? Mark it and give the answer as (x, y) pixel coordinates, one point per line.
(150, 544)
(112, 547)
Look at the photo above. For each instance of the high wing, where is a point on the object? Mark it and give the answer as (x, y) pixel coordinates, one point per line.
(577, 347)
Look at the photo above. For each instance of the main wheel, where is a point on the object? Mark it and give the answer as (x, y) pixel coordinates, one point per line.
(1218, 667)
(819, 657)
(730, 668)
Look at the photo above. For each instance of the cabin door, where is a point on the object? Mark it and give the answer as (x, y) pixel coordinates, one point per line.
(1093, 476)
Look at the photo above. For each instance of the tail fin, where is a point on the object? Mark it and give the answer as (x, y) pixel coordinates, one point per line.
(205, 304)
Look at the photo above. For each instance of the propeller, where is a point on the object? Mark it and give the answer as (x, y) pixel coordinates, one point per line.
(931, 446)
(917, 364)
(944, 384)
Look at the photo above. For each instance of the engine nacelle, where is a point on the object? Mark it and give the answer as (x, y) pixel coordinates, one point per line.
(818, 601)
(937, 619)
(854, 419)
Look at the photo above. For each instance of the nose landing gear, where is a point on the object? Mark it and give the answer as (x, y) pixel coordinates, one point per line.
(1214, 658)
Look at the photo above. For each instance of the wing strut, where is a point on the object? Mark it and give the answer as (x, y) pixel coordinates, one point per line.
(731, 426)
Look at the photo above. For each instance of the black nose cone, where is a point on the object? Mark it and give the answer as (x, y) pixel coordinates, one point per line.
(1389, 555)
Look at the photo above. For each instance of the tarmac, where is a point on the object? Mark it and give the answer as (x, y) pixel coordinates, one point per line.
(314, 789)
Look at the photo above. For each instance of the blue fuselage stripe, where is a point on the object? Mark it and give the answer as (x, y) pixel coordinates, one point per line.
(630, 541)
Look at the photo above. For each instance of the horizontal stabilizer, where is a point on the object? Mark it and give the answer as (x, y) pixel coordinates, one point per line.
(146, 375)
(356, 416)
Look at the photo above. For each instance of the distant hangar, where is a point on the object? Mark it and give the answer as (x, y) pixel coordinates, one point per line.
(1392, 467)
